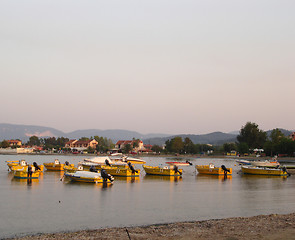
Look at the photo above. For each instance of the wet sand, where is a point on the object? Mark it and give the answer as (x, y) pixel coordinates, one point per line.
(258, 227)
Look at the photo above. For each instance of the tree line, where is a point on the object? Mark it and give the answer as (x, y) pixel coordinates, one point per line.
(250, 138)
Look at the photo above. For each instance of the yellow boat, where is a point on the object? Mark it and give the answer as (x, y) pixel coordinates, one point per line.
(163, 171)
(18, 165)
(10, 164)
(56, 166)
(121, 171)
(87, 177)
(72, 168)
(23, 174)
(264, 171)
(212, 170)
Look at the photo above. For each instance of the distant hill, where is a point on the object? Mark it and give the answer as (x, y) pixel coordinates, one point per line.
(215, 138)
(24, 132)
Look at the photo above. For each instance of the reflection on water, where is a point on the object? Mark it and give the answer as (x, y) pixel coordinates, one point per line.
(88, 185)
(222, 178)
(162, 178)
(53, 205)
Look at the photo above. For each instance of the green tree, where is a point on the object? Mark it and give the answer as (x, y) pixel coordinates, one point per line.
(5, 144)
(243, 148)
(228, 147)
(252, 135)
(157, 148)
(127, 148)
(175, 145)
(188, 145)
(34, 140)
(104, 144)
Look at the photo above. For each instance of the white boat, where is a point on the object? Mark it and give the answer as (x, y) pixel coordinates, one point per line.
(98, 160)
(127, 159)
(266, 163)
(89, 177)
(243, 162)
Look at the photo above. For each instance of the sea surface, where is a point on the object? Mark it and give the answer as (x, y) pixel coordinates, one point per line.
(51, 205)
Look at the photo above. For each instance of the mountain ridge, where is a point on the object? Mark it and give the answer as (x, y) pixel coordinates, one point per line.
(24, 132)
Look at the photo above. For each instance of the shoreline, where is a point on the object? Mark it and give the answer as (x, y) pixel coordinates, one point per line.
(273, 226)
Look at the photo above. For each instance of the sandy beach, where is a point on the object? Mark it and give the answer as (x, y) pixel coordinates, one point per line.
(270, 227)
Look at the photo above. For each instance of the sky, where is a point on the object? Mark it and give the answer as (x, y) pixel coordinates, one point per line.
(151, 66)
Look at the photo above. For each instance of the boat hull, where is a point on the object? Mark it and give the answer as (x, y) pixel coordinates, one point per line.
(263, 171)
(86, 177)
(56, 167)
(24, 175)
(205, 169)
(161, 171)
(120, 171)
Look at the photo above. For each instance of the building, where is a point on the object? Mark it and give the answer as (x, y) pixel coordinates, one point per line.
(16, 143)
(122, 143)
(81, 145)
(292, 136)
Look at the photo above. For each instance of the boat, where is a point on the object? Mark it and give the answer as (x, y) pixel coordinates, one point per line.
(18, 165)
(212, 170)
(186, 163)
(96, 161)
(163, 171)
(72, 168)
(87, 177)
(266, 163)
(24, 174)
(10, 164)
(122, 170)
(243, 162)
(264, 171)
(128, 159)
(56, 165)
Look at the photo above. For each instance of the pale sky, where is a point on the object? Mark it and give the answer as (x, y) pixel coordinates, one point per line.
(152, 66)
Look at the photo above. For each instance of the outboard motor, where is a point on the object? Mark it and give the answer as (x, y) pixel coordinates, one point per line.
(132, 168)
(107, 163)
(36, 166)
(30, 171)
(188, 162)
(284, 169)
(175, 168)
(225, 170)
(106, 176)
(92, 169)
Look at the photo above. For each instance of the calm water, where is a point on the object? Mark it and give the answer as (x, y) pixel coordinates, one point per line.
(51, 205)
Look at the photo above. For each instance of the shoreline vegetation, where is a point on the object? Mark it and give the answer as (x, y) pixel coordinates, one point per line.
(273, 226)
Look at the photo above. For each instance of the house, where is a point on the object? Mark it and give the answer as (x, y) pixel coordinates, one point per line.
(81, 145)
(292, 136)
(70, 144)
(122, 143)
(13, 143)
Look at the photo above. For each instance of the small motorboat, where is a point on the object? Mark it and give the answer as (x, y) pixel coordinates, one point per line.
(121, 170)
(22, 164)
(56, 165)
(26, 173)
(186, 163)
(163, 171)
(266, 163)
(212, 170)
(88, 177)
(243, 162)
(126, 159)
(71, 168)
(264, 171)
